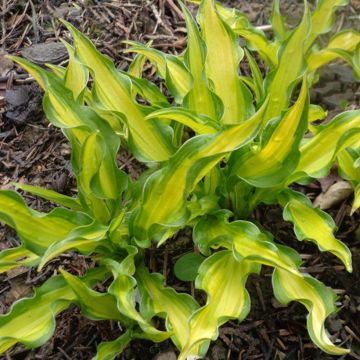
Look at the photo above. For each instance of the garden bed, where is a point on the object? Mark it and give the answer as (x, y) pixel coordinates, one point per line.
(35, 153)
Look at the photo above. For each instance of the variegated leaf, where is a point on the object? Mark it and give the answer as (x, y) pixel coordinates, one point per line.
(318, 299)
(223, 279)
(282, 80)
(164, 195)
(318, 153)
(156, 299)
(313, 224)
(224, 80)
(278, 154)
(31, 321)
(113, 90)
(37, 230)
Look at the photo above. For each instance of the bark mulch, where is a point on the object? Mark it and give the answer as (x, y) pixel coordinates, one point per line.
(34, 152)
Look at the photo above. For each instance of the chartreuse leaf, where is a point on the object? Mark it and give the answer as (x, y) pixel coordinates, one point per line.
(123, 290)
(318, 153)
(224, 80)
(356, 202)
(341, 45)
(116, 120)
(89, 300)
(149, 91)
(77, 75)
(58, 70)
(113, 90)
(356, 60)
(316, 112)
(85, 239)
(257, 76)
(200, 124)
(212, 181)
(119, 230)
(51, 195)
(257, 41)
(278, 22)
(99, 173)
(313, 224)
(255, 38)
(323, 18)
(36, 230)
(199, 98)
(290, 67)
(316, 297)
(110, 349)
(248, 82)
(58, 103)
(164, 196)
(235, 160)
(346, 40)
(65, 113)
(94, 159)
(136, 67)
(246, 241)
(348, 161)
(279, 154)
(223, 279)
(177, 78)
(91, 160)
(15, 257)
(31, 321)
(156, 299)
(37, 72)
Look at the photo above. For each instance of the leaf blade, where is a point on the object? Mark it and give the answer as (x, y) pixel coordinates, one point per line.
(318, 299)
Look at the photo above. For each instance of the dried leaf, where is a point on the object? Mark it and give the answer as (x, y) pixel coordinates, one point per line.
(334, 195)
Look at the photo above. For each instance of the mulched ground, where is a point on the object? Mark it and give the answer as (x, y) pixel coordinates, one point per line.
(31, 151)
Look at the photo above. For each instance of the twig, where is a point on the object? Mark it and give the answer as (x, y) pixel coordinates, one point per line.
(161, 6)
(339, 218)
(348, 330)
(165, 266)
(3, 24)
(64, 353)
(260, 295)
(175, 9)
(17, 21)
(158, 18)
(21, 38)
(264, 27)
(35, 23)
(15, 77)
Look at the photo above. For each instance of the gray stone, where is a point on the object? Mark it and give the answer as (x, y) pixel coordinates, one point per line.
(336, 100)
(40, 54)
(23, 104)
(329, 88)
(343, 73)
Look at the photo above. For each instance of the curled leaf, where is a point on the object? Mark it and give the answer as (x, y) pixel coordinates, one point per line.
(318, 299)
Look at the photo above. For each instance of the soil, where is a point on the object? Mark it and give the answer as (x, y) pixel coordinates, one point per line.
(34, 152)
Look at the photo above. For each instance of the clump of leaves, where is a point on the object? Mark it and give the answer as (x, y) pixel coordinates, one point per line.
(248, 147)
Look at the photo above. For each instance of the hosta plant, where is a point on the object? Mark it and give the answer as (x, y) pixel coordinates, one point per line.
(219, 145)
